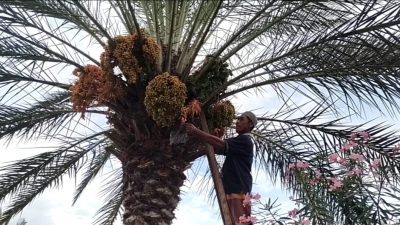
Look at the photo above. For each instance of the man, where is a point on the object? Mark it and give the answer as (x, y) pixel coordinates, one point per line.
(236, 170)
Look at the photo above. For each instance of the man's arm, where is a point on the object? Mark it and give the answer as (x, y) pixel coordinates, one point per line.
(216, 142)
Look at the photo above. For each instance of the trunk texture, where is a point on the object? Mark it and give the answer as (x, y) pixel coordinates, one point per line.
(153, 175)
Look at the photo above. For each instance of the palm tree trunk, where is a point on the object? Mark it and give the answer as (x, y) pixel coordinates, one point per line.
(152, 179)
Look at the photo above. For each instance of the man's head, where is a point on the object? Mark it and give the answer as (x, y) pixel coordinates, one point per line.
(246, 122)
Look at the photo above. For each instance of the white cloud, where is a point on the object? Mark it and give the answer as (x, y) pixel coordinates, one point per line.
(196, 210)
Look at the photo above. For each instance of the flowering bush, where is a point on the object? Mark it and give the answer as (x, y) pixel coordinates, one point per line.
(247, 219)
(339, 176)
(249, 198)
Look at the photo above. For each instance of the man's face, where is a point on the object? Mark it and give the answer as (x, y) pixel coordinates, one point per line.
(243, 124)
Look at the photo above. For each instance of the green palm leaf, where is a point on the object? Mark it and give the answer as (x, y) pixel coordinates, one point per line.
(26, 179)
(45, 118)
(108, 213)
(92, 170)
(289, 140)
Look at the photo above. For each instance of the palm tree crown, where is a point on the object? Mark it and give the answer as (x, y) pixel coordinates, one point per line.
(146, 67)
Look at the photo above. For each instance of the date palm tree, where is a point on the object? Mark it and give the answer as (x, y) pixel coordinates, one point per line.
(146, 67)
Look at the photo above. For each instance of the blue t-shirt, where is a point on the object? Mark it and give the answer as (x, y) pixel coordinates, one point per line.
(236, 170)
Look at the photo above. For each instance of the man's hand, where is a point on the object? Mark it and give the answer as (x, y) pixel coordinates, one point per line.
(191, 129)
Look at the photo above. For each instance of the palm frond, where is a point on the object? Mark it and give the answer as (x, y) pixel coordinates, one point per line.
(94, 19)
(367, 202)
(11, 74)
(92, 169)
(364, 78)
(28, 46)
(290, 139)
(121, 11)
(317, 24)
(283, 138)
(25, 179)
(205, 31)
(43, 118)
(183, 36)
(342, 50)
(108, 213)
(257, 26)
(12, 17)
(63, 10)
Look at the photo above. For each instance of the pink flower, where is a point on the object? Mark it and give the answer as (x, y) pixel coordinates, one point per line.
(256, 196)
(316, 178)
(304, 222)
(348, 146)
(345, 147)
(243, 219)
(271, 222)
(343, 162)
(375, 164)
(302, 165)
(293, 212)
(286, 178)
(357, 172)
(253, 219)
(247, 199)
(365, 135)
(313, 182)
(353, 144)
(292, 166)
(376, 174)
(353, 136)
(335, 184)
(318, 174)
(356, 157)
(333, 157)
(247, 219)
(396, 148)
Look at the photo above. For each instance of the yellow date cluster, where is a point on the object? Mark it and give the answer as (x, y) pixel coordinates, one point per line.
(123, 54)
(165, 97)
(222, 114)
